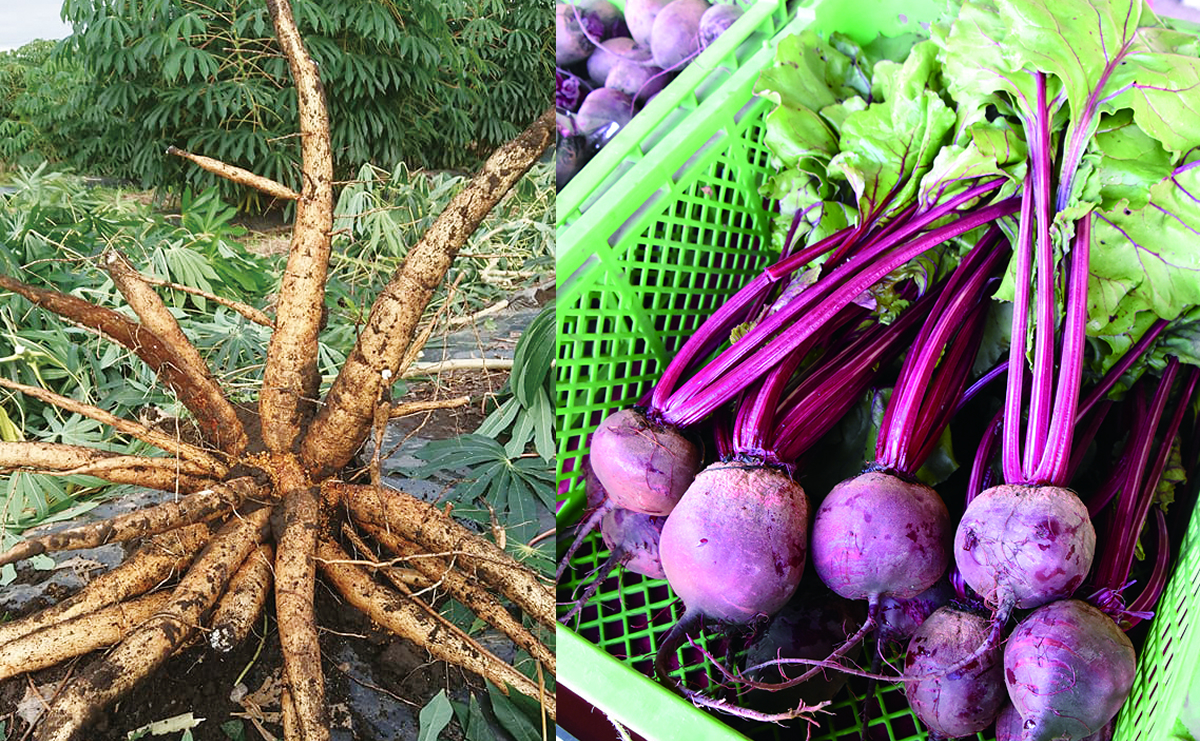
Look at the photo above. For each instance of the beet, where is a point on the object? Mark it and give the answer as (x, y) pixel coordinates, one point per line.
(963, 703)
(900, 618)
(675, 36)
(716, 21)
(1068, 668)
(644, 467)
(877, 534)
(612, 51)
(637, 80)
(1024, 546)
(601, 107)
(811, 626)
(572, 26)
(633, 538)
(734, 547)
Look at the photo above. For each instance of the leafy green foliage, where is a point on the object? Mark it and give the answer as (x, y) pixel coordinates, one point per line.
(528, 415)
(434, 717)
(380, 214)
(435, 83)
(514, 487)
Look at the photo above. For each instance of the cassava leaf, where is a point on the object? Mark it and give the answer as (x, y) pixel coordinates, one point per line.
(434, 717)
(512, 719)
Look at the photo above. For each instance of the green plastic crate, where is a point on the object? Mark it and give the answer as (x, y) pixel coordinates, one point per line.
(649, 243)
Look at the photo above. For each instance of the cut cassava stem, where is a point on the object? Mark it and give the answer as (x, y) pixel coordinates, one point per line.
(147, 648)
(154, 315)
(404, 617)
(216, 417)
(152, 564)
(472, 596)
(245, 310)
(236, 174)
(291, 379)
(158, 439)
(77, 636)
(203, 505)
(345, 419)
(428, 526)
(240, 606)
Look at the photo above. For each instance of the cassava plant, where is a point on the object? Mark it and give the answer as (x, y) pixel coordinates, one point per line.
(262, 484)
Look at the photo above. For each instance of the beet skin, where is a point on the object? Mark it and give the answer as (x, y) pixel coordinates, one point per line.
(967, 701)
(734, 547)
(1068, 668)
(644, 467)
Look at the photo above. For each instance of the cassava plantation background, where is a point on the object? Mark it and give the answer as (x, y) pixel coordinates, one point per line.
(418, 95)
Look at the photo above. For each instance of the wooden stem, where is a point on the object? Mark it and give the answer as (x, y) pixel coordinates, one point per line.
(214, 415)
(390, 510)
(152, 564)
(237, 174)
(158, 439)
(201, 506)
(291, 378)
(407, 619)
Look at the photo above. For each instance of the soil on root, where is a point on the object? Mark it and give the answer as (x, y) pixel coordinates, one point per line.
(375, 686)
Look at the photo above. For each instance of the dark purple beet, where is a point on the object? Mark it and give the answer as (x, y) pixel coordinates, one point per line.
(633, 537)
(876, 534)
(967, 701)
(811, 626)
(734, 547)
(644, 467)
(900, 618)
(1026, 544)
(1068, 668)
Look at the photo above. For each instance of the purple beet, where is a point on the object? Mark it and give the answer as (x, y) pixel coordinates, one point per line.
(877, 534)
(1068, 668)
(967, 701)
(734, 547)
(1023, 546)
(633, 537)
(644, 467)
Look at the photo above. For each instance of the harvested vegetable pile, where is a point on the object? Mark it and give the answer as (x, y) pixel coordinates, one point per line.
(985, 252)
(610, 64)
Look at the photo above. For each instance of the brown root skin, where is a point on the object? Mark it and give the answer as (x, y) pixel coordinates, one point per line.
(471, 596)
(147, 648)
(239, 608)
(77, 636)
(198, 507)
(408, 619)
(158, 439)
(291, 379)
(345, 419)
(215, 416)
(431, 528)
(39, 456)
(237, 175)
(149, 566)
(295, 579)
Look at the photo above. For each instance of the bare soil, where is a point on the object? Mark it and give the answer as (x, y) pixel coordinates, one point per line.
(364, 667)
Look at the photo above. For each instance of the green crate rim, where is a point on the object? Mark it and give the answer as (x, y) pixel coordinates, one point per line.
(592, 256)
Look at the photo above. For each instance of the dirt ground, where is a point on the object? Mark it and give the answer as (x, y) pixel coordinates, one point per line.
(375, 683)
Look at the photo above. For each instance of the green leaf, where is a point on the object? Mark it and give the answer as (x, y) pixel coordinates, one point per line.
(1146, 259)
(533, 357)
(434, 717)
(887, 147)
(510, 718)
